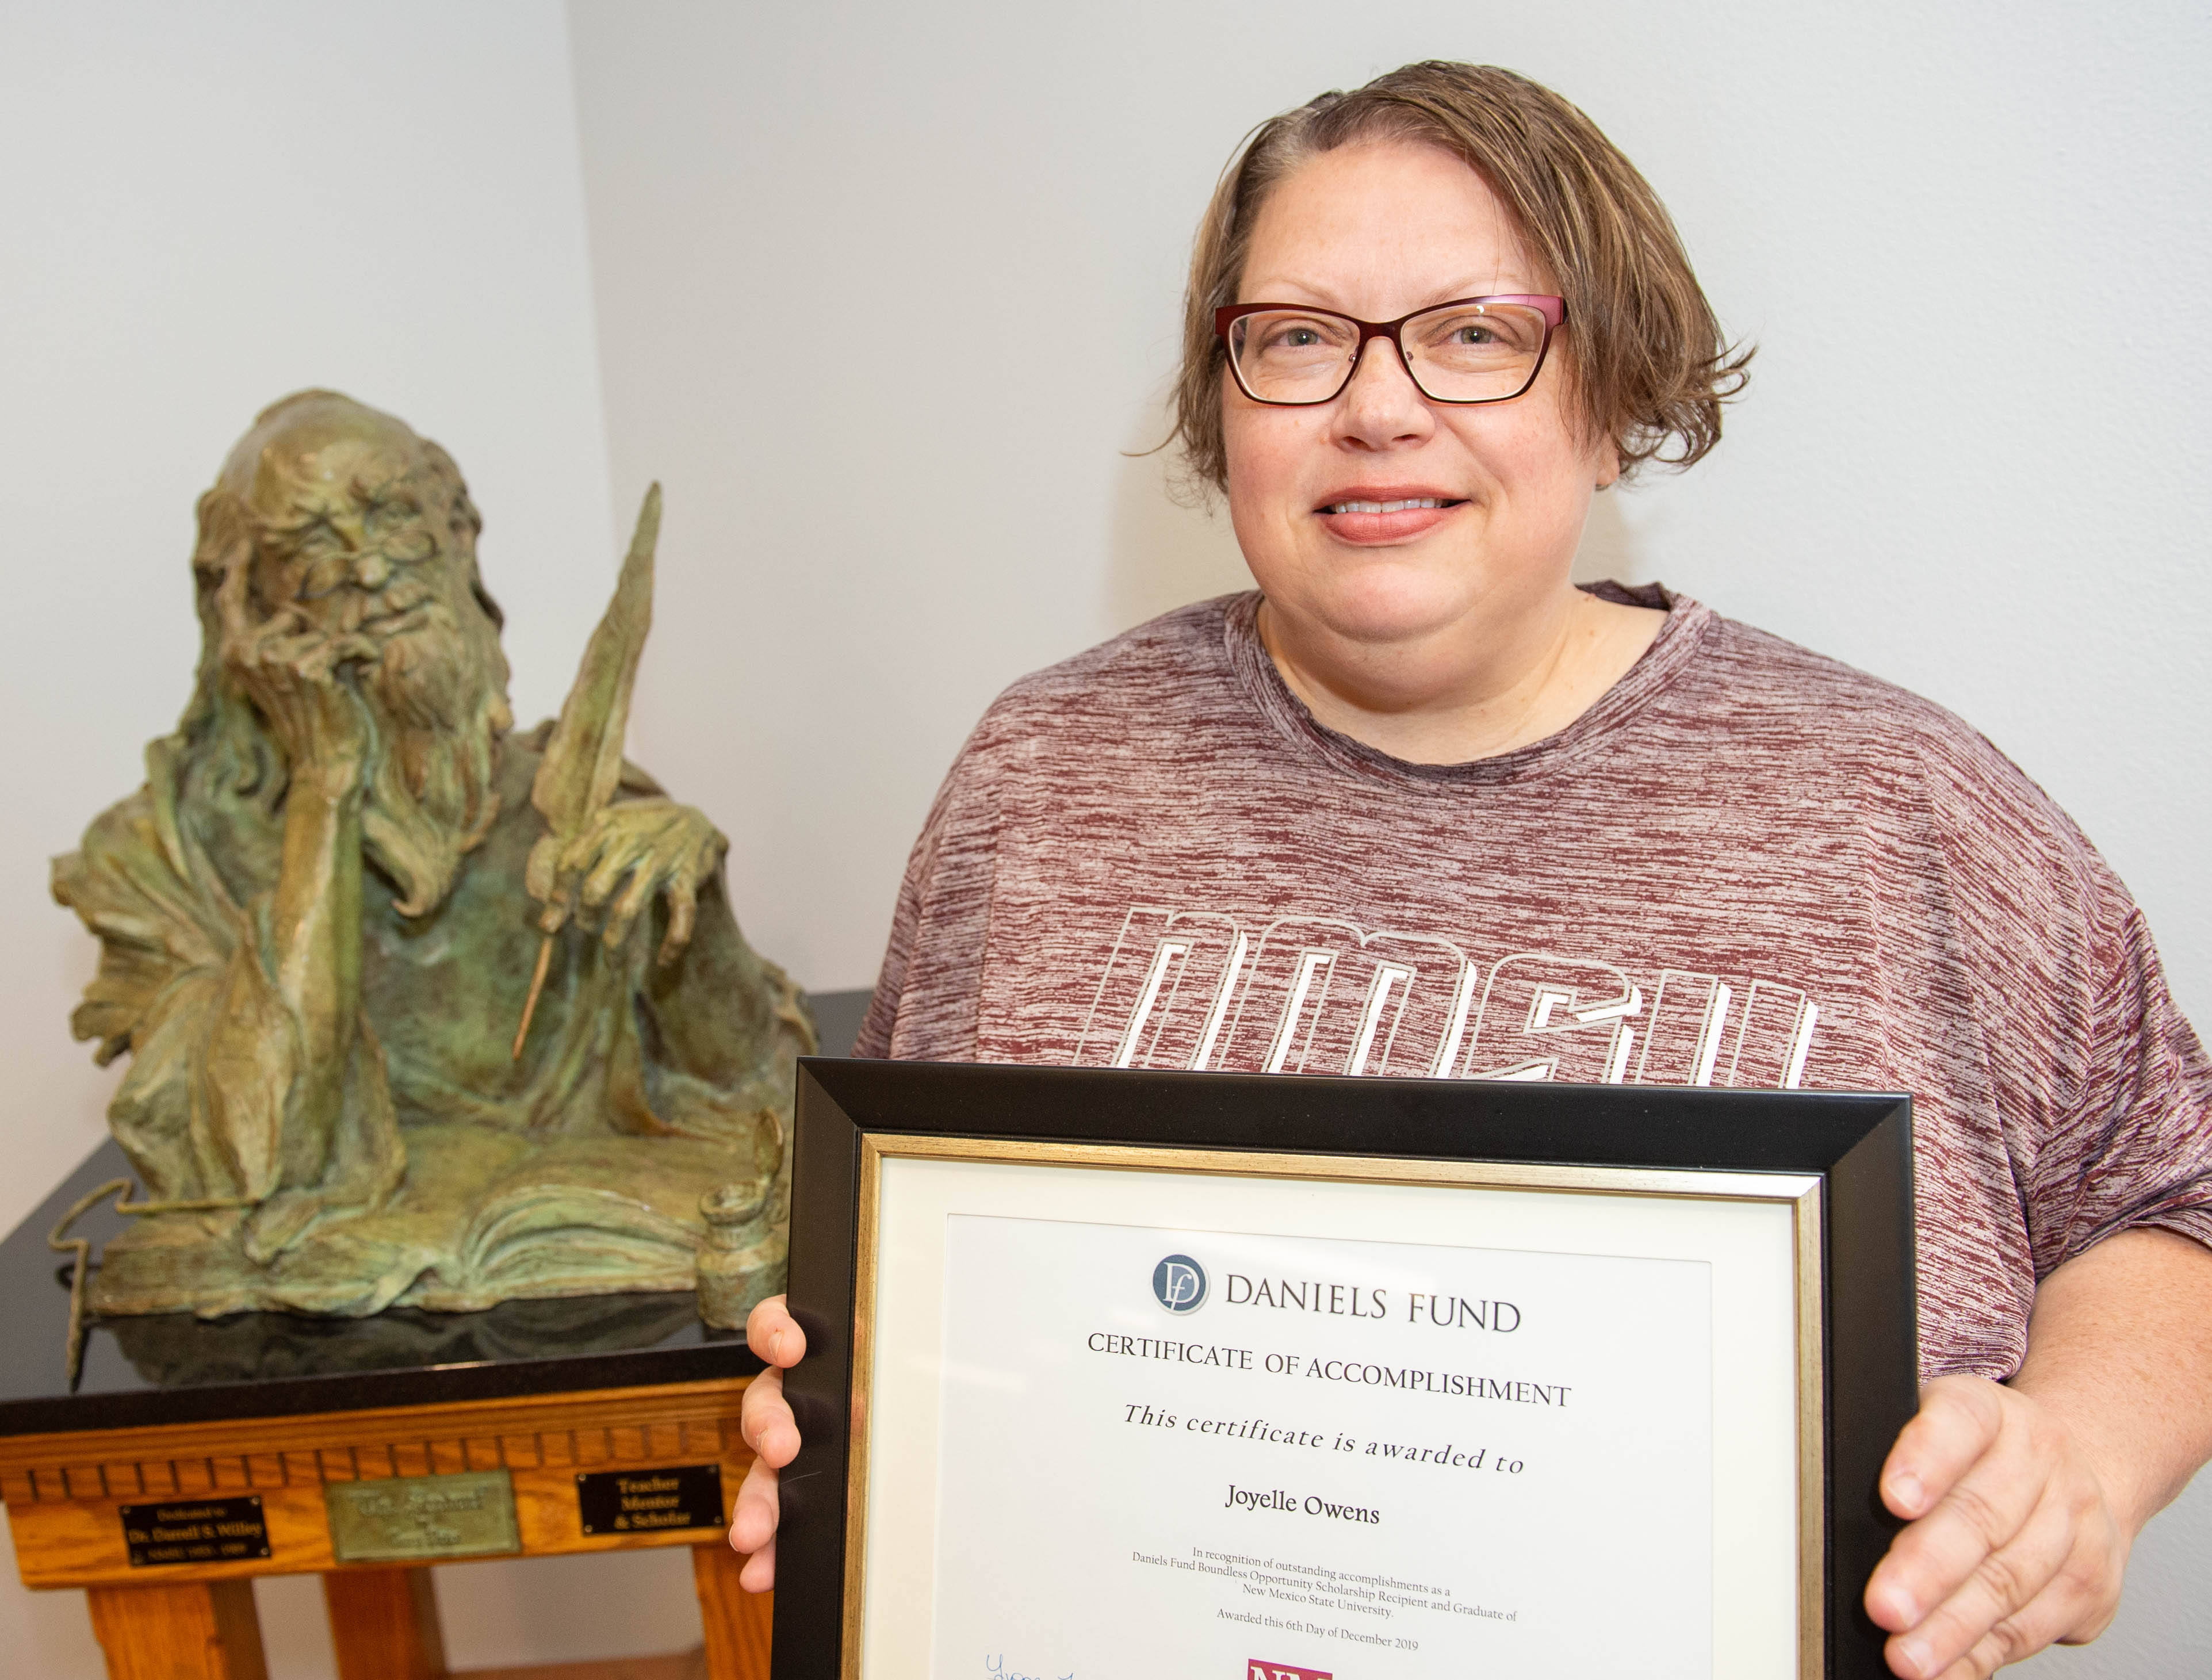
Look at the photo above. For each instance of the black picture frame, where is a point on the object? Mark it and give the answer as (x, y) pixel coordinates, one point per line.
(1860, 1144)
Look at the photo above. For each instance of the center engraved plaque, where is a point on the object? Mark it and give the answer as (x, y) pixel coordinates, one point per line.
(465, 1515)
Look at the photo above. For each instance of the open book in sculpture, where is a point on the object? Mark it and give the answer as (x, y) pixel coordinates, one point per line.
(346, 883)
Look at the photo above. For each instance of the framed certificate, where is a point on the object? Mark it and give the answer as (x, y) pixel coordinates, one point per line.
(1113, 1373)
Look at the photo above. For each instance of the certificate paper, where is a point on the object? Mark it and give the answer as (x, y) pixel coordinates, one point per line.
(1126, 1425)
(1363, 1457)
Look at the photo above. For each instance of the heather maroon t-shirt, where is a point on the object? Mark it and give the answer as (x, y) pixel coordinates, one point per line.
(1744, 865)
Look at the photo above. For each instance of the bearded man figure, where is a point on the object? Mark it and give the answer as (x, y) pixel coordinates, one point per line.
(319, 935)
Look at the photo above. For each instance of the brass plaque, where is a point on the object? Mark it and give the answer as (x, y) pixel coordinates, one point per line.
(422, 1516)
(204, 1530)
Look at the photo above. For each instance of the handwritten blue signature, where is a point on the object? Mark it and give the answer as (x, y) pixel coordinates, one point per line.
(997, 1669)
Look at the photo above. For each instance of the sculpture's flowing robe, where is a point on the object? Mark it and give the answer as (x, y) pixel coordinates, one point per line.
(177, 890)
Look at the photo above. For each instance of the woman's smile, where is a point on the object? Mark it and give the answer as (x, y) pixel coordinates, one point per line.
(1370, 515)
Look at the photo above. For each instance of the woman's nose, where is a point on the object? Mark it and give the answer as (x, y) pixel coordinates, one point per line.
(1381, 401)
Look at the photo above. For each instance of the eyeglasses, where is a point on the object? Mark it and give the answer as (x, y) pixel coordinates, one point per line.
(1477, 350)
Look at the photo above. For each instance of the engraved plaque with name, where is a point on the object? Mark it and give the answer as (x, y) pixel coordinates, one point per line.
(645, 1501)
(195, 1530)
(465, 1515)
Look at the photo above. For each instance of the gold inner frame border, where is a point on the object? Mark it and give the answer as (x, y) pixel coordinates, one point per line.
(1800, 1191)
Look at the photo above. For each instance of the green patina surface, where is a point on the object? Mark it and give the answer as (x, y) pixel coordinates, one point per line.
(321, 917)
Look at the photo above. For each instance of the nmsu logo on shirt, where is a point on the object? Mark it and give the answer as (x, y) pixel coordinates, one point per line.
(1179, 1284)
(1256, 1670)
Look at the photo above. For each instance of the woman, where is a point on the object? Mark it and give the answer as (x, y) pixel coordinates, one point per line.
(1596, 835)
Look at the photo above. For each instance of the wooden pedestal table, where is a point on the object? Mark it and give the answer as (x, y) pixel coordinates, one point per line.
(73, 1499)
(290, 1440)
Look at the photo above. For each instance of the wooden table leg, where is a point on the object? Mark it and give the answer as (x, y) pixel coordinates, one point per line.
(384, 1624)
(736, 1622)
(182, 1630)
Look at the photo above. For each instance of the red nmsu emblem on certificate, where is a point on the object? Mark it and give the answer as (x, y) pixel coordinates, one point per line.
(1256, 1670)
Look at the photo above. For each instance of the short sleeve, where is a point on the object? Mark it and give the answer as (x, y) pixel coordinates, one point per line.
(2101, 1085)
(2138, 1152)
(874, 1039)
(928, 994)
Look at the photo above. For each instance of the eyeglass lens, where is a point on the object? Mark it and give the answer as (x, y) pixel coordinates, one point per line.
(1462, 353)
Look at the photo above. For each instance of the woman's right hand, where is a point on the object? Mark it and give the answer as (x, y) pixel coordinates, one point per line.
(766, 1423)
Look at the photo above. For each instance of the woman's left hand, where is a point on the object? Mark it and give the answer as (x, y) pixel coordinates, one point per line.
(656, 845)
(2013, 1543)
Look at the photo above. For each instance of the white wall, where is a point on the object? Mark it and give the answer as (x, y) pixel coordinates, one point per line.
(201, 208)
(883, 289)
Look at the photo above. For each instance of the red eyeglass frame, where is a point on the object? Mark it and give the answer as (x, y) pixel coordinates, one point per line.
(1553, 310)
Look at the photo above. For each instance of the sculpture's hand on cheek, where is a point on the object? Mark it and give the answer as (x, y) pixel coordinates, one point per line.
(294, 675)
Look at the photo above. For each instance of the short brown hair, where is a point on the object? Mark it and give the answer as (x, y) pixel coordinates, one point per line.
(1651, 366)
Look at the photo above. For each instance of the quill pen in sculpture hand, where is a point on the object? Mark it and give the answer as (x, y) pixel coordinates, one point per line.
(582, 765)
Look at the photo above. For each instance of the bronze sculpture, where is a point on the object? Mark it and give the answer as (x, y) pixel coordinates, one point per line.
(321, 917)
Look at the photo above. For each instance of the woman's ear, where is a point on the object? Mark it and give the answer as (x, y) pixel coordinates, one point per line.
(1608, 464)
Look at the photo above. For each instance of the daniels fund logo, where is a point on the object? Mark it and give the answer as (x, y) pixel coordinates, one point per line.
(1256, 1670)
(1179, 1282)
